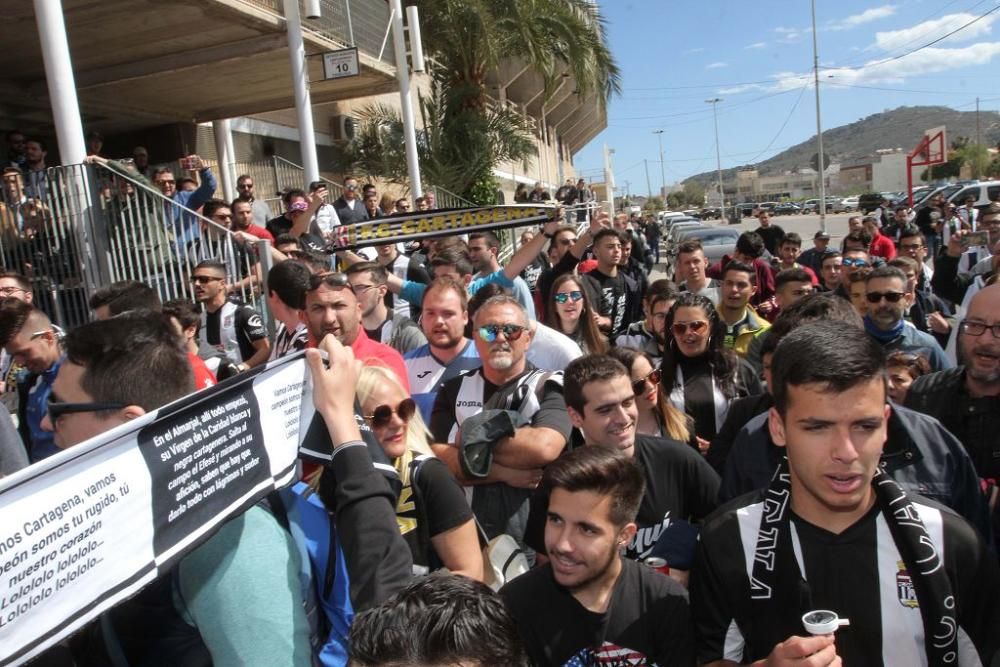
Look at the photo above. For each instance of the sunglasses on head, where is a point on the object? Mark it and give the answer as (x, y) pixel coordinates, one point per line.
(652, 377)
(696, 327)
(382, 414)
(489, 332)
(567, 241)
(330, 279)
(891, 297)
(563, 297)
(849, 261)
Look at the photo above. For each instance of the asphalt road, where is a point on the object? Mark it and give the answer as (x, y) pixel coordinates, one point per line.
(804, 225)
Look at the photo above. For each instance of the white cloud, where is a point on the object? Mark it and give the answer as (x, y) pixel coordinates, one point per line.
(716, 65)
(927, 31)
(756, 45)
(867, 16)
(695, 50)
(926, 61)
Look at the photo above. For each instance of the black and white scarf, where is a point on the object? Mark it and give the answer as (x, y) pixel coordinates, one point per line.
(769, 580)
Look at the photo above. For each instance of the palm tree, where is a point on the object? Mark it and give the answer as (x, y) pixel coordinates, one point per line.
(464, 136)
(468, 38)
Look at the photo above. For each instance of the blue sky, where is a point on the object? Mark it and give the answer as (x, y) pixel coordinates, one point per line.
(757, 56)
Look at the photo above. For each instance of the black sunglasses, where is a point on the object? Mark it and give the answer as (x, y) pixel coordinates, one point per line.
(382, 414)
(639, 386)
(489, 332)
(204, 280)
(891, 297)
(57, 409)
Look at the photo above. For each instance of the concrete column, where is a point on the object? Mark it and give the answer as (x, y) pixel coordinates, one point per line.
(224, 149)
(406, 106)
(303, 102)
(59, 76)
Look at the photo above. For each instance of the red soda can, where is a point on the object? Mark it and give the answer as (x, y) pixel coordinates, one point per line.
(658, 564)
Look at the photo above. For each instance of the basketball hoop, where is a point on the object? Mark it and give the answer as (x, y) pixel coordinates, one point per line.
(932, 150)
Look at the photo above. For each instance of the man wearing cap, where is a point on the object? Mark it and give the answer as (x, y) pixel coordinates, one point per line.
(813, 258)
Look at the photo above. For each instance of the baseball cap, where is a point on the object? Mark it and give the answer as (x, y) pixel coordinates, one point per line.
(821, 235)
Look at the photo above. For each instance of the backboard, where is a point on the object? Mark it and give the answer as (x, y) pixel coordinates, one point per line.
(932, 149)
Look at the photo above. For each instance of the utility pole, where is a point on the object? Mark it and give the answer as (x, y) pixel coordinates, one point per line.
(663, 180)
(821, 163)
(649, 188)
(609, 177)
(977, 123)
(718, 155)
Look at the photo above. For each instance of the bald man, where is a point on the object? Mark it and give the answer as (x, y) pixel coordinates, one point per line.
(967, 399)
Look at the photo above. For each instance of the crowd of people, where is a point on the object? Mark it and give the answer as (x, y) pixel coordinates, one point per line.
(688, 467)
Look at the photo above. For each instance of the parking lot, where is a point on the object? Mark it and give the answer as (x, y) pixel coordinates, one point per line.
(803, 225)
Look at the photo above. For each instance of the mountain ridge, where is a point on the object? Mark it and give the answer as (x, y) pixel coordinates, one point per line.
(901, 127)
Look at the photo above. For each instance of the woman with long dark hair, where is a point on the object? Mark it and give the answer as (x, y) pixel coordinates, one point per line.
(656, 417)
(699, 375)
(570, 312)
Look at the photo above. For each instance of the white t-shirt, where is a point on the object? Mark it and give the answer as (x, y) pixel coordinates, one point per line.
(551, 350)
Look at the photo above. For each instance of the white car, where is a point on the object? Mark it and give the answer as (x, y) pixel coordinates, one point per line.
(849, 204)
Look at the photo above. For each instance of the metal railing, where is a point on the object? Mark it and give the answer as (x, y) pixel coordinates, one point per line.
(98, 226)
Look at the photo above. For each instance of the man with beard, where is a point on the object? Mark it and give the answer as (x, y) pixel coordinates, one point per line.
(885, 291)
(588, 605)
(232, 328)
(648, 334)
(505, 382)
(967, 399)
(447, 353)
(397, 331)
(332, 307)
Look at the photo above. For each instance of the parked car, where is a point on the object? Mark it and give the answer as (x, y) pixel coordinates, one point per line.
(787, 208)
(670, 239)
(715, 241)
(711, 213)
(832, 205)
(746, 209)
(848, 205)
(870, 201)
(945, 190)
(766, 206)
(673, 221)
(985, 192)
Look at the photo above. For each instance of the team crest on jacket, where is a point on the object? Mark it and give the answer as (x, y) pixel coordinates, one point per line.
(904, 587)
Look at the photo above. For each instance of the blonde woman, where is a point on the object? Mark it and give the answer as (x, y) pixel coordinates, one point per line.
(433, 514)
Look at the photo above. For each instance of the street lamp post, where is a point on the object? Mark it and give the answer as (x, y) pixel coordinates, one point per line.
(663, 180)
(819, 128)
(718, 156)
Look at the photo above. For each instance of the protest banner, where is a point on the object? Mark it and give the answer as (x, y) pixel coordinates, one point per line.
(90, 526)
(439, 222)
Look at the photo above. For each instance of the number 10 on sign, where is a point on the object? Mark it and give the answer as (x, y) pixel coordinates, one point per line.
(340, 64)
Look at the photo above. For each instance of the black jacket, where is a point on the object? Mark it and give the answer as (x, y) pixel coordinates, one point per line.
(919, 454)
(741, 411)
(974, 421)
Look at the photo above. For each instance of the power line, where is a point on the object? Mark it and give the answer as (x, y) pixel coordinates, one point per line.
(783, 125)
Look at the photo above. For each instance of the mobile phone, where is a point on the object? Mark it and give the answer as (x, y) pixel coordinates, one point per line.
(975, 239)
